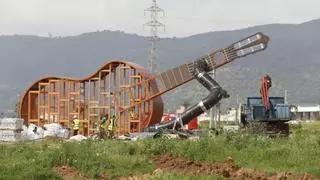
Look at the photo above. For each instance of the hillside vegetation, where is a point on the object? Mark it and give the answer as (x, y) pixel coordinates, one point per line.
(291, 59)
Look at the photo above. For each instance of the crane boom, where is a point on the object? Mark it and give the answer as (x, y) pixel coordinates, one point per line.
(266, 83)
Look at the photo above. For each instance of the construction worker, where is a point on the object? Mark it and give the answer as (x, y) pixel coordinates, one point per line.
(111, 126)
(131, 114)
(103, 125)
(132, 117)
(76, 125)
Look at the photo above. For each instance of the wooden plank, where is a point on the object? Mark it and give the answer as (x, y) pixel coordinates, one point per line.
(64, 121)
(74, 93)
(180, 72)
(134, 121)
(124, 67)
(54, 80)
(29, 106)
(54, 93)
(105, 70)
(104, 107)
(34, 92)
(159, 82)
(99, 95)
(162, 81)
(136, 76)
(171, 77)
(185, 72)
(168, 80)
(95, 79)
(124, 86)
(165, 80)
(43, 84)
(177, 75)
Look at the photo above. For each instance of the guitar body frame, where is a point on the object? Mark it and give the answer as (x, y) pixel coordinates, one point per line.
(114, 89)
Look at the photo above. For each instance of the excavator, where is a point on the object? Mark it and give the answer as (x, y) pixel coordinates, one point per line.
(267, 115)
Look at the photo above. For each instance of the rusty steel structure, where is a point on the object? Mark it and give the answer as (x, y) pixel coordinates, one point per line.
(119, 87)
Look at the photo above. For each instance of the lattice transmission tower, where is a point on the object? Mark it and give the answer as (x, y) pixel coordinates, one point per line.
(154, 25)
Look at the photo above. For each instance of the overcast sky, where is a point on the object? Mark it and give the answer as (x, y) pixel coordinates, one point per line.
(183, 17)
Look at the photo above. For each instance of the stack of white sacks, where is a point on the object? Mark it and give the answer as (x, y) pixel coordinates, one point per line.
(10, 129)
(33, 132)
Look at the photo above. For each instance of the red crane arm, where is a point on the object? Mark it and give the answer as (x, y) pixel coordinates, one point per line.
(265, 85)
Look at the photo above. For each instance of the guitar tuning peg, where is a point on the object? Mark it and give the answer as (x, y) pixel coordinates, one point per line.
(251, 50)
(247, 41)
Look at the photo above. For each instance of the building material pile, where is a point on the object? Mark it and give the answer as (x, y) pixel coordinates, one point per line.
(13, 130)
(10, 129)
(78, 137)
(48, 130)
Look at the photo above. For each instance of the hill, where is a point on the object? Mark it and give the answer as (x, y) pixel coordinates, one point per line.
(291, 59)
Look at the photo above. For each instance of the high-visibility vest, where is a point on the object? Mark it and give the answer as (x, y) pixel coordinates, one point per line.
(103, 122)
(76, 124)
(132, 114)
(111, 124)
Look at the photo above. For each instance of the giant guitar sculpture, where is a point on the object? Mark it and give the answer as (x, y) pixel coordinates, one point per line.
(119, 87)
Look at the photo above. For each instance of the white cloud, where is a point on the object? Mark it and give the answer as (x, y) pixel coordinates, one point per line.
(183, 17)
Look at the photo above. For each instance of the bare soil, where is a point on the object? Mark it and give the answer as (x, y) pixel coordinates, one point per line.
(228, 169)
(168, 163)
(69, 173)
(137, 177)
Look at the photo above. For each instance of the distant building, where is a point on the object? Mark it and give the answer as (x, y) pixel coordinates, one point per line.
(307, 112)
(232, 115)
(204, 117)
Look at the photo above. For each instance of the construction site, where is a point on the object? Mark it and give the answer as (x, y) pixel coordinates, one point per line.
(112, 124)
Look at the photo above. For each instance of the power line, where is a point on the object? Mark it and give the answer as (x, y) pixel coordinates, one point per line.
(154, 25)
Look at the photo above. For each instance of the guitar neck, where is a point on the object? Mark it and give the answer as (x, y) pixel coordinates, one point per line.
(177, 76)
(173, 77)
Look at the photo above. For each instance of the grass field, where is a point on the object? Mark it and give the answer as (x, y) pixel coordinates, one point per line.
(36, 160)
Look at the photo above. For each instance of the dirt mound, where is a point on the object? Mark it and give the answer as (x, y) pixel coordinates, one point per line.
(228, 169)
(136, 177)
(69, 173)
